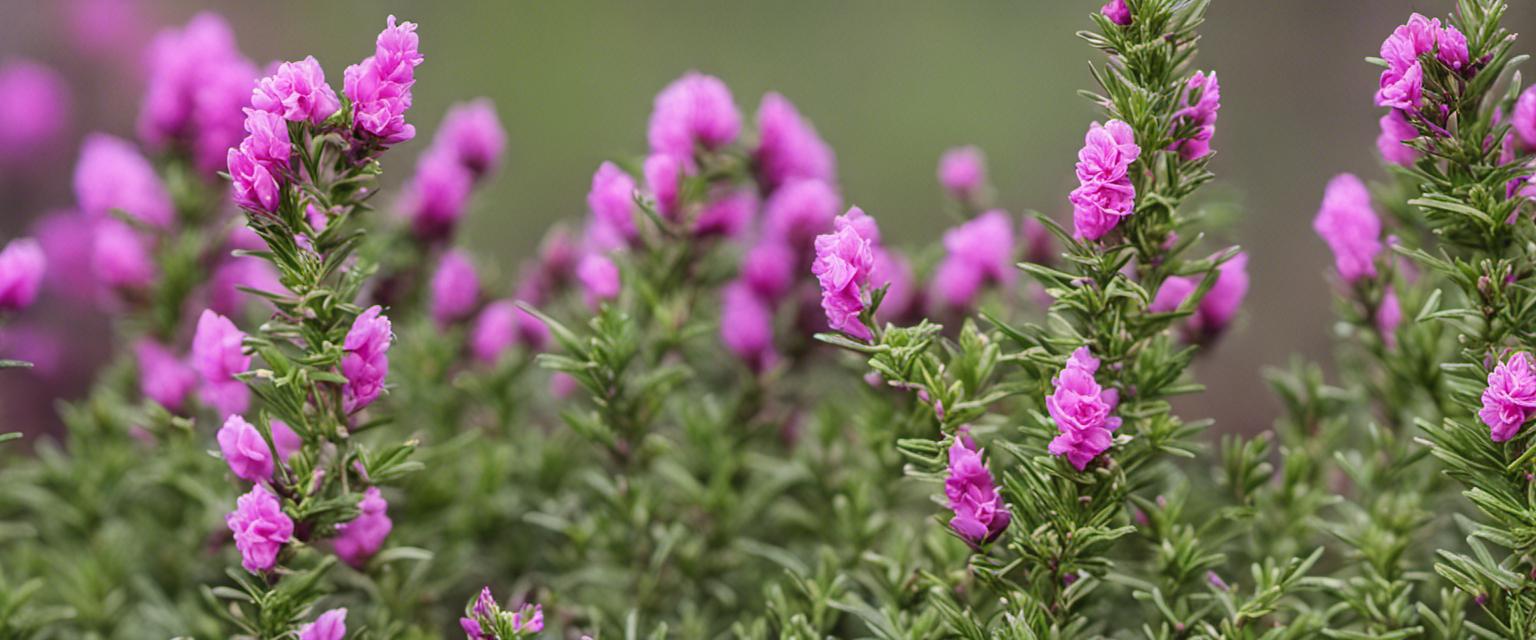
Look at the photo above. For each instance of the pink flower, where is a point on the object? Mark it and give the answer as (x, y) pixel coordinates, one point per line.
(258, 166)
(978, 252)
(844, 260)
(1388, 316)
(218, 356)
(728, 213)
(1395, 131)
(1105, 194)
(612, 200)
(59, 233)
(247, 452)
(455, 288)
(963, 172)
(980, 513)
(768, 268)
(1117, 12)
(112, 175)
(894, 270)
(1524, 117)
(380, 85)
(789, 147)
(472, 135)
(297, 92)
(356, 541)
(120, 255)
(1219, 306)
(695, 110)
(224, 294)
(331, 625)
(1083, 411)
(22, 265)
(1350, 227)
(437, 195)
(36, 109)
(1201, 103)
(502, 324)
(1510, 398)
(599, 279)
(163, 377)
(198, 84)
(800, 210)
(261, 529)
(746, 326)
(663, 176)
(1402, 83)
(366, 362)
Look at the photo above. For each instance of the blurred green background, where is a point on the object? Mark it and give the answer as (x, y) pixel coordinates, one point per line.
(889, 84)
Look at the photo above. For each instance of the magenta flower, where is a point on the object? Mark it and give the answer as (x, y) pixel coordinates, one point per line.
(746, 326)
(380, 85)
(247, 452)
(22, 265)
(1388, 317)
(60, 233)
(258, 166)
(502, 324)
(297, 92)
(980, 513)
(1350, 227)
(112, 175)
(978, 252)
(331, 625)
(1201, 103)
(963, 172)
(1117, 12)
(120, 255)
(695, 110)
(455, 288)
(800, 210)
(218, 356)
(163, 376)
(198, 84)
(612, 201)
(1083, 411)
(437, 195)
(788, 146)
(901, 293)
(260, 528)
(36, 108)
(471, 133)
(1510, 398)
(728, 213)
(366, 362)
(1105, 194)
(1395, 131)
(1402, 83)
(844, 260)
(663, 177)
(769, 269)
(1219, 306)
(1523, 119)
(599, 278)
(357, 540)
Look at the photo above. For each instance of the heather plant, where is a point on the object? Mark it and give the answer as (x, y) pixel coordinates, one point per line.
(722, 404)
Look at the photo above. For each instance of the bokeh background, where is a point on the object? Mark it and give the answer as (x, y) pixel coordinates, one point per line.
(889, 84)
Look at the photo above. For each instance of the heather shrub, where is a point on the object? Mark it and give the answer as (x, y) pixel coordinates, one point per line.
(721, 404)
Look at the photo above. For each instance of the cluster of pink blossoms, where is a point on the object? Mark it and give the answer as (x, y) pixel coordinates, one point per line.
(1220, 304)
(1083, 411)
(218, 355)
(22, 264)
(260, 529)
(1509, 401)
(1402, 83)
(980, 513)
(1350, 226)
(844, 261)
(1105, 194)
(358, 539)
(467, 147)
(963, 173)
(977, 253)
(366, 361)
(380, 85)
(1202, 102)
(36, 110)
(198, 82)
